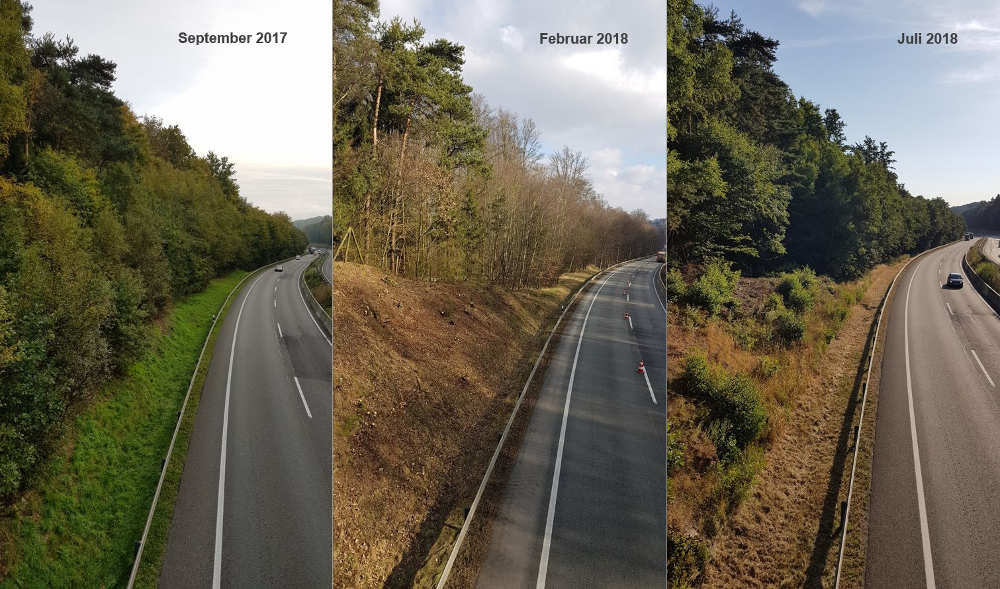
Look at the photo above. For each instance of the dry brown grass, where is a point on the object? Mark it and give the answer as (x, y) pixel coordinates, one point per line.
(783, 534)
(424, 378)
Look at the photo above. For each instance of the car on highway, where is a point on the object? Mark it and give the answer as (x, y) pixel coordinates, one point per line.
(279, 269)
(955, 280)
(661, 256)
(298, 257)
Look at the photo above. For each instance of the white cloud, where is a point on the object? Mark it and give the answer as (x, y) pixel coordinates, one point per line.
(813, 7)
(635, 186)
(608, 67)
(512, 37)
(258, 104)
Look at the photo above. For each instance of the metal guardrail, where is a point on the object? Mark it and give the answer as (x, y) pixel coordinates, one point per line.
(180, 417)
(991, 296)
(846, 505)
(457, 546)
(320, 313)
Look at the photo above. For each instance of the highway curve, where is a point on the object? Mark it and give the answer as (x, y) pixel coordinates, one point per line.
(585, 504)
(264, 423)
(327, 268)
(935, 495)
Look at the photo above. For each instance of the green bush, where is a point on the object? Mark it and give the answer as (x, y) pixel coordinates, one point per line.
(714, 288)
(738, 415)
(675, 451)
(787, 327)
(676, 287)
(736, 477)
(686, 559)
(798, 289)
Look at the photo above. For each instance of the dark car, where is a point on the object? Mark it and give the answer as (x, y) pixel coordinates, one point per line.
(279, 269)
(955, 280)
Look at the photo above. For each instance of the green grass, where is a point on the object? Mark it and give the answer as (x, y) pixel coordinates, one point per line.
(78, 527)
(317, 284)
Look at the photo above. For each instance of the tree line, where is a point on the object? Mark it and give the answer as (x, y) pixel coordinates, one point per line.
(433, 182)
(768, 181)
(105, 219)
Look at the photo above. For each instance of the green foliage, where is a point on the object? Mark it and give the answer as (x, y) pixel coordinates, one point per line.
(736, 477)
(104, 222)
(675, 451)
(765, 179)
(676, 287)
(686, 559)
(738, 415)
(984, 267)
(798, 289)
(94, 500)
(713, 288)
(787, 326)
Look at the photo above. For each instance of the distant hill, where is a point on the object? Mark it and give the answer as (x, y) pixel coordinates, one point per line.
(980, 215)
(317, 229)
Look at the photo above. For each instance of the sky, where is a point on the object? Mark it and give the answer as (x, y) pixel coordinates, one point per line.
(937, 106)
(265, 107)
(606, 101)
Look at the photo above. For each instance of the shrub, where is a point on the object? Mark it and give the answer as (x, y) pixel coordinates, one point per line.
(686, 558)
(714, 287)
(736, 477)
(798, 289)
(675, 451)
(676, 287)
(787, 327)
(737, 412)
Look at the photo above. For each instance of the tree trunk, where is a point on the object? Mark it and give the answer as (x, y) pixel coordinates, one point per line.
(378, 102)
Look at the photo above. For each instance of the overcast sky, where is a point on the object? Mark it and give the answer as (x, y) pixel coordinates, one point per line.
(607, 101)
(937, 106)
(266, 107)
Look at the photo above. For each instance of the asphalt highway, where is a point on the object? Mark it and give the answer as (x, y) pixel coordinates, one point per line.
(935, 497)
(585, 504)
(254, 504)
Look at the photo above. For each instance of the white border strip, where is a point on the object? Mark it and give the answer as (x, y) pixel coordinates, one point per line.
(543, 562)
(864, 399)
(180, 418)
(503, 437)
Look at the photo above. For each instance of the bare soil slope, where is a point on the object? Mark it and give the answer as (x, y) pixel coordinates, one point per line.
(425, 375)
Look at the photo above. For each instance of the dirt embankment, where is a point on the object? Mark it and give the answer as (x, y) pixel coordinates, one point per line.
(787, 532)
(425, 375)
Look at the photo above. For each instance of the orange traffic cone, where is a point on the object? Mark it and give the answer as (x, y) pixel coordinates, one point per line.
(642, 368)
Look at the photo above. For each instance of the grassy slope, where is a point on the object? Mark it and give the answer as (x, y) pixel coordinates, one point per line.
(425, 376)
(79, 525)
(781, 533)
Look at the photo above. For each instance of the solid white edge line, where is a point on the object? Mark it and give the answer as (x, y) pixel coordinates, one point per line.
(443, 579)
(864, 399)
(645, 373)
(303, 397)
(925, 535)
(309, 311)
(983, 368)
(220, 505)
(652, 283)
(543, 563)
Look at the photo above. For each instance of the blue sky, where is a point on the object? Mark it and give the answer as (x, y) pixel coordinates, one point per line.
(607, 102)
(937, 106)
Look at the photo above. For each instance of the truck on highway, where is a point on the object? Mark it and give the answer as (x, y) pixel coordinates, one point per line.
(968, 235)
